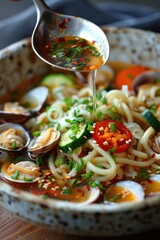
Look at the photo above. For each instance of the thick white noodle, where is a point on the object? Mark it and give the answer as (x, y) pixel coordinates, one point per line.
(145, 142)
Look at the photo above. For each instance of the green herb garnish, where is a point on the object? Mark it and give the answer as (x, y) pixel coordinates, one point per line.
(113, 127)
(36, 133)
(66, 191)
(15, 175)
(14, 145)
(39, 161)
(59, 161)
(115, 198)
(143, 174)
(87, 175)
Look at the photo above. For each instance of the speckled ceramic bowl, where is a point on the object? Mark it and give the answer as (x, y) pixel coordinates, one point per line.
(18, 64)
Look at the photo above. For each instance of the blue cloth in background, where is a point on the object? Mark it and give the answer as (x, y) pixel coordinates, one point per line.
(106, 13)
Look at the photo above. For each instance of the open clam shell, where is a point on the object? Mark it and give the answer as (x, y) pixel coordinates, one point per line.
(146, 77)
(32, 101)
(152, 185)
(42, 144)
(21, 172)
(91, 196)
(13, 137)
(124, 191)
(36, 98)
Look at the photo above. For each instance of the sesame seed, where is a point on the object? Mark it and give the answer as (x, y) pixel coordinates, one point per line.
(121, 139)
(101, 129)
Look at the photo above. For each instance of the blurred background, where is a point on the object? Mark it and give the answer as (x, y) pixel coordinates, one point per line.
(18, 18)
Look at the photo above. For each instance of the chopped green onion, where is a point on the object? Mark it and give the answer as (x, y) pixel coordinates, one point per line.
(72, 182)
(58, 126)
(39, 161)
(66, 191)
(72, 136)
(27, 179)
(143, 174)
(79, 166)
(36, 133)
(113, 127)
(59, 161)
(115, 198)
(153, 108)
(87, 175)
(69, 164)
(96, 183)
(15, 175)
(14, 145)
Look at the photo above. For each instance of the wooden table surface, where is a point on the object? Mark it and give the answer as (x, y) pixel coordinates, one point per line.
(13, 228)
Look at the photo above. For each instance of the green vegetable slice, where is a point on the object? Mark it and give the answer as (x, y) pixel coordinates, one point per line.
(57, 79)
(151, 119)
(70, 141)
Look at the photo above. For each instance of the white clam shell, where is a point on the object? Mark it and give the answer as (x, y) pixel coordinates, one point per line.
(24, 165)
(24, 135)
(92, 196)
(155, 177)
(135, 188)
(34, 153)
(37, 95)
(146, 77)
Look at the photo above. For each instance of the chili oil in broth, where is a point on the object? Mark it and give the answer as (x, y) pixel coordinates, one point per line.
(74, 54)
(48, 186)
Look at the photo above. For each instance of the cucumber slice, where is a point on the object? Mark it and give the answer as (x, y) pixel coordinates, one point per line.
(57, 79)
(151, 119)
(69, 141)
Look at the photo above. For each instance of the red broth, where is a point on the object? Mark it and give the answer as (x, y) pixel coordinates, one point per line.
(73, 53)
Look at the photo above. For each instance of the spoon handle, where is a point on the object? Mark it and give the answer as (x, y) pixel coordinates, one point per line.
(41, 6)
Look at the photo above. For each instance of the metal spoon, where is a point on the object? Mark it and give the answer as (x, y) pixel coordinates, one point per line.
(50, 25)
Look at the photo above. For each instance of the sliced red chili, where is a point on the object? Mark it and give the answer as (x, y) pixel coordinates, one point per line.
(110, 134)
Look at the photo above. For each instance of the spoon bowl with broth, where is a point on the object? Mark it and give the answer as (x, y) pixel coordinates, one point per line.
(68, 42)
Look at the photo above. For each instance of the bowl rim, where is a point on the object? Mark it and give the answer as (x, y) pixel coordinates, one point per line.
(66, 206)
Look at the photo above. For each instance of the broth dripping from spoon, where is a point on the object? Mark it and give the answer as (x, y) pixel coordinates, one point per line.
(76, 54)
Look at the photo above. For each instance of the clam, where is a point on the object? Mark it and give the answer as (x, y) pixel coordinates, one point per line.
(146, 78)
(91, 196)
(42, 144)
(29, 106)
(152, 185)
(21, 172)
(124, 191)
(13, 137)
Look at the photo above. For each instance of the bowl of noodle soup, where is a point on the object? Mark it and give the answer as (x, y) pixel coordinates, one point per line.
(83, 171)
